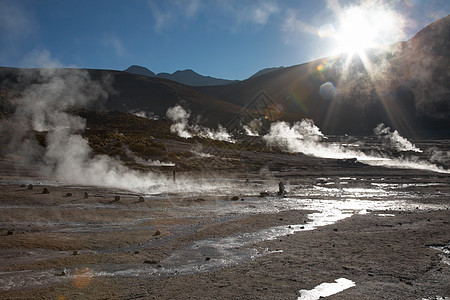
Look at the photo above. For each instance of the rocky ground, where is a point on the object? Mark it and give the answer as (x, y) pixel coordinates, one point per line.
(81, 242)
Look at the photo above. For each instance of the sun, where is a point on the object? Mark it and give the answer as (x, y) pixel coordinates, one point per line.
(362, 27)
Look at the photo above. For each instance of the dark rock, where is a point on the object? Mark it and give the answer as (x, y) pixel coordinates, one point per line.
(30, 187)
(264, 194)
(68, 195)
(75, 253)
(281, 189)
(10, 232)
(208, 259)
(116, 198)
(45, 191)
(86, 195)
(157, 233)
(23, 185)
(141, 199)
(150, 262)
(235, 198)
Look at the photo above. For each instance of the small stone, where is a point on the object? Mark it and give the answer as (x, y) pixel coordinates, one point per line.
(208, 259)
(157, 233)
(335, 229)
(136, 252)
(86, 195)
(23, 185)
(30, 187)
(264, 194)
(75, 253)
(141, 199)
(150, 262)
(68, 195)
(235, 198)
(116, 198)
(10, 232)
(45, 191)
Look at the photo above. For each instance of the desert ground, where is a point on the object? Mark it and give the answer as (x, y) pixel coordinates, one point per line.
(386, 230)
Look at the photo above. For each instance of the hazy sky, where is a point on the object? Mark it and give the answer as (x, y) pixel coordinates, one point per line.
(219, 38)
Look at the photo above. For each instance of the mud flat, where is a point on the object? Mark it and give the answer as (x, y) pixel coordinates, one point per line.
(361, 233)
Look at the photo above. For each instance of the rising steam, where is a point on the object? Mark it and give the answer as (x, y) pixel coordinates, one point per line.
(180, 118)
(145, 114)
(393, 140)
(305, 137)
(67, 156)
(253, 127)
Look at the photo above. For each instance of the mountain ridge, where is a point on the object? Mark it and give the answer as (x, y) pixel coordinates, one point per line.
(188, 77)
(407, 89)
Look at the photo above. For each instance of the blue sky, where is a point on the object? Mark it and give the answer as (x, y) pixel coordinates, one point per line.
(219, 38)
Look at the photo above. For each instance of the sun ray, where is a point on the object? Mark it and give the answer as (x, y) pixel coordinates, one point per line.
(362, 28)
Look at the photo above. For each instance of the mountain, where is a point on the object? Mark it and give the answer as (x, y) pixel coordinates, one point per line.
(406, 86)
(125, 92)
(134, 69)
(265, 71)
(187, 77)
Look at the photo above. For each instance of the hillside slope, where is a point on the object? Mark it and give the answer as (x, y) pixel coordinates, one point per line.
(406, 86)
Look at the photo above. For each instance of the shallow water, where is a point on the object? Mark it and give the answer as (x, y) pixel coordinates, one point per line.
(328, 200)
(326, 289)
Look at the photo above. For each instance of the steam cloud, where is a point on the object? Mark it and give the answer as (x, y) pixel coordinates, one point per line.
(67, 155)
(147, 162)
(393, 139)
(180, 118)
(144, 114)
(305, 137)
(253, 127)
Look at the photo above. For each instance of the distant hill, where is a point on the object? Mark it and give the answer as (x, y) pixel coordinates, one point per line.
(406, 86)
(187, 77)
(134, 69)
(127, 92)
(265, 71)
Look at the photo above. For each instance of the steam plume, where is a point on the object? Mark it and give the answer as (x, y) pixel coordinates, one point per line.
(180, 118)
(393, 139)
(253, 127)
(144, 114)
(305, 137)
(67, 155)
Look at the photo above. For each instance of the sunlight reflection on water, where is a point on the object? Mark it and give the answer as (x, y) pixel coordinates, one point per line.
(328, 204)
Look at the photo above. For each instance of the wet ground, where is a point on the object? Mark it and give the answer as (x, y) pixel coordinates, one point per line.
(380, 233)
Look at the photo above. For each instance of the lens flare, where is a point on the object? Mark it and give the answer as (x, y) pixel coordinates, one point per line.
(82, 278)
(327, 91)
(292, 96)
(274, 111)
(326, 31)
